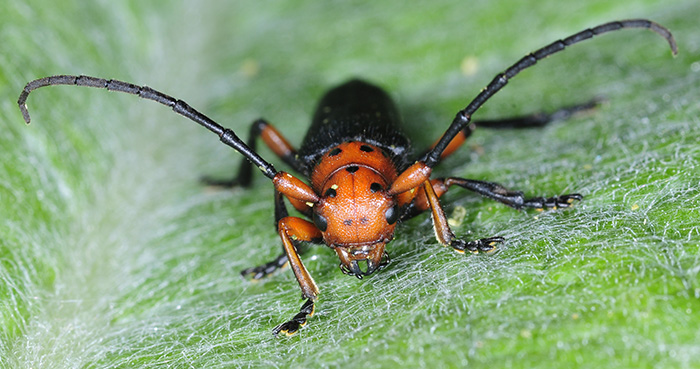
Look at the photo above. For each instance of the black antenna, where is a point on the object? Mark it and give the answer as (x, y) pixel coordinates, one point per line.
(432, 157)
(180, 107)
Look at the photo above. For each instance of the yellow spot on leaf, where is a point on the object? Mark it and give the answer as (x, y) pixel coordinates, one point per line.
(458, 216)
(250, 68)
(469, 66)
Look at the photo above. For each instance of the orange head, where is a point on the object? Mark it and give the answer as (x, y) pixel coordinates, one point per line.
(356, 215)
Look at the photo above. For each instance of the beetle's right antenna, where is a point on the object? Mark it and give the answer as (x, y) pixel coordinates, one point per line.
(464, 116)
(226, 135)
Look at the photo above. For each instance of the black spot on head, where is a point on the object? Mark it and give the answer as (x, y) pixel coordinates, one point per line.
(366, 148)
(352, 168)
(347, 222)
(375, 187)
(364, 220)
(330, 193)
(392, 214)
(335, 152)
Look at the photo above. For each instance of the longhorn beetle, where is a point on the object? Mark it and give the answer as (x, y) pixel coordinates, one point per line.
(362, 179)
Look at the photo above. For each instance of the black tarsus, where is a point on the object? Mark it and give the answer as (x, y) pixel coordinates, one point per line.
(262, 271)
(297, 321)
(226, 135)
(463, 117)
(514, 199)
(484, 245)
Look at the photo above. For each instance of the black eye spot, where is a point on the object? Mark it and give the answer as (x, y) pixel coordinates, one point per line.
(320, 222)
(392, 215)
(352, 168)
(335, 152)
(375, 187)
(366, 148)
(330, 193)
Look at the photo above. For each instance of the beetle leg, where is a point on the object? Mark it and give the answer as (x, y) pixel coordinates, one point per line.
(292, 228)
(535, 120)
(539, 119)
(514, 199)
(494, 191)
(262, 271)
(298, 193)
(297, 229)
(444, 234)
(272, 139)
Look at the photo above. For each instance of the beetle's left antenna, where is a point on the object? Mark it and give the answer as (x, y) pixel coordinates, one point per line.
(226, 135)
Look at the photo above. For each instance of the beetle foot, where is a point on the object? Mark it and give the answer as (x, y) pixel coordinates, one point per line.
(484, 245)
(261, 271)
(299, 320)
(554, 202)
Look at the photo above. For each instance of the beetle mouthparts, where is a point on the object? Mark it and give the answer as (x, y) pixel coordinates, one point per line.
(362, 262)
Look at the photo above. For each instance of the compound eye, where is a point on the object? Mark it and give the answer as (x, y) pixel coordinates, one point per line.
(320, 221)
(392, 215)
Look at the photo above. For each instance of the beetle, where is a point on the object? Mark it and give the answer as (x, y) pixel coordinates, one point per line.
(362, 178)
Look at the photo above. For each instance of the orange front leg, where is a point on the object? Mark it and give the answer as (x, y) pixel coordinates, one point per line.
(444, 234)
(297, 229)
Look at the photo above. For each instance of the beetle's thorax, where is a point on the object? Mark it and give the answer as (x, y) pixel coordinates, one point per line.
(355, 214)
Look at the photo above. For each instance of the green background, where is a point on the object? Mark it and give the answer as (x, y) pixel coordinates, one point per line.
(113, 255)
